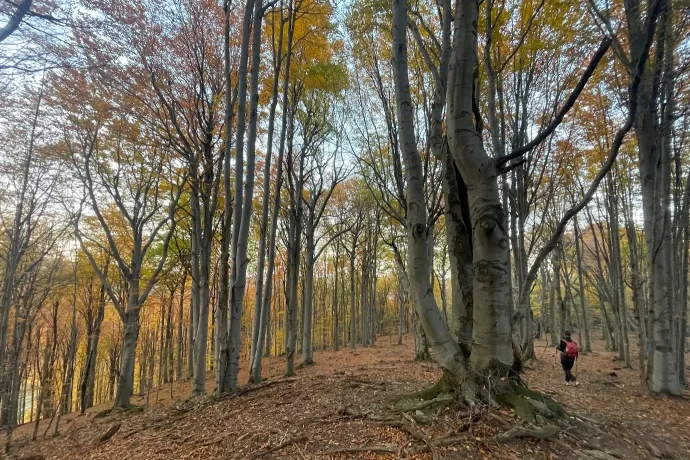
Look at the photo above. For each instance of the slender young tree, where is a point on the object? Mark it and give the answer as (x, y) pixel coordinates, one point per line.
(136, 188)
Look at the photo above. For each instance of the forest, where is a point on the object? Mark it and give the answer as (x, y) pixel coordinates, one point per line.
(220, 199)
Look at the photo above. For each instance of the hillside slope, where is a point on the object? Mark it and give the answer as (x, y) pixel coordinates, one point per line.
(342, 407)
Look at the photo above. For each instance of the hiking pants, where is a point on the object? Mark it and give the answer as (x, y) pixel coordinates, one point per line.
(567, 364)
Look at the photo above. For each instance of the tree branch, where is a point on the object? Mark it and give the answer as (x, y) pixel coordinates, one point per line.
(613, 154)
(16, 19)
(569, 103)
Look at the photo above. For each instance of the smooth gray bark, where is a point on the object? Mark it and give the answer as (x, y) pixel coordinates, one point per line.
(492, 340)
(654, 168)
(242, 220)
(221, 318)
(261, 309)
(586, 337)
(445, 348)
(268, 289)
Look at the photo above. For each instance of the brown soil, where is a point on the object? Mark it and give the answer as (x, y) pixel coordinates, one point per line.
(338, 404)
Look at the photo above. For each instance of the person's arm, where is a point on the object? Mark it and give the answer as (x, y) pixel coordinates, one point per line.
(561, 346)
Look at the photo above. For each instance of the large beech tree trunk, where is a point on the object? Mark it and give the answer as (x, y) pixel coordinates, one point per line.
(492, 341)
(445, 349)
(654, 167)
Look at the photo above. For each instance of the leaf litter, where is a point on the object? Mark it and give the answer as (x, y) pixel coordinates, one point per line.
(343, 407)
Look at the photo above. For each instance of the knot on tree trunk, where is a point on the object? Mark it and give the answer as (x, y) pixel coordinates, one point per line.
(488, 225)
(486, 271)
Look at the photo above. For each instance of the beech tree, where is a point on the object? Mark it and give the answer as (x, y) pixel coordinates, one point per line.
(492, 352)
(124, 182)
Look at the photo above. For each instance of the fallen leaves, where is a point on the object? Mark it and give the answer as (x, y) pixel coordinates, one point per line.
(342, 408)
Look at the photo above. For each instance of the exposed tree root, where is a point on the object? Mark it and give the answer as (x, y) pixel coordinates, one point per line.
(371, 448)
(442, 386)
(385, 419)
(544, 432)
(589, 454)
(268, 383)
(304, 364)
(508, 391)
(527, 404)
(405, 405)
(438, 442)
(103, 413)
(422, 437)
(407, 423)
(282, 445)
(109, 434)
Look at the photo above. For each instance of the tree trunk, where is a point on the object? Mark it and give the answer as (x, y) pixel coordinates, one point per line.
(364, 300)
(201, 333)
(654, 167)
(308, 302)
(89, 378)
(180, 319)
(221, 319)
(401, 312)
(559, 318)
(617, 278)
(125, 382)
(242, 221)
(262, 308)
(553, 325)
(421, 344)
(268, 324)
(492, 348)
(295, 246)
(638, 301)
(68, 379)
(458, 235)
(586, 337)
(191, 329)
(255, 370)
(353, 297)
(445, 348)
(336, 263)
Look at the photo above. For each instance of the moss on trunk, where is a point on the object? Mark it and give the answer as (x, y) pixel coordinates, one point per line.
(504, 389)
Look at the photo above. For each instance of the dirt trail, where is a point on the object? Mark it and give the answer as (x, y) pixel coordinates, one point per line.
(342, 408)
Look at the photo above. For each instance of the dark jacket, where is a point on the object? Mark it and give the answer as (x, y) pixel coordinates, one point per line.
(562, 347)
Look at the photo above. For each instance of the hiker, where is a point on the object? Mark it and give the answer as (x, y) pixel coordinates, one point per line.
(569, 353)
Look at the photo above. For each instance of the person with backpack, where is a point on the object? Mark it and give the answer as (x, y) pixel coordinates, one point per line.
(569, 353)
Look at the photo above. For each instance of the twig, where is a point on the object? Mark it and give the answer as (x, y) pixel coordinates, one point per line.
(371, 448)
(438, 442)
(546, 432)
(422, 437)
(285, 443)
(569, 103)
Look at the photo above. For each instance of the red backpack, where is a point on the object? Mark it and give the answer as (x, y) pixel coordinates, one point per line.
(571, 350)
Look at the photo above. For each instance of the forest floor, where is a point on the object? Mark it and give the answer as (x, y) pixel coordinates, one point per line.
(339, 408)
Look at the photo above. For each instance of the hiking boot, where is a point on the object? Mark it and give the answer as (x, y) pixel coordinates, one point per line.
(567, 384)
